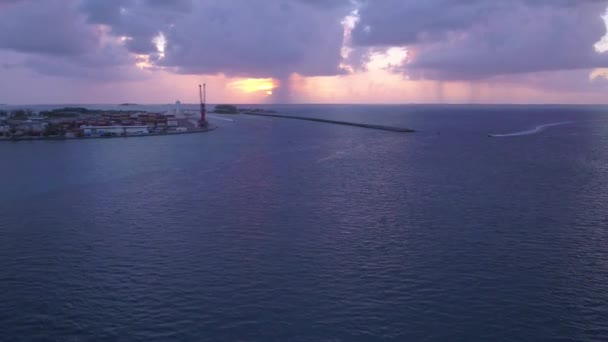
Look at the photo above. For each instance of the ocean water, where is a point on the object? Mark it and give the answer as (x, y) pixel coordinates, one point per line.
(284, 230)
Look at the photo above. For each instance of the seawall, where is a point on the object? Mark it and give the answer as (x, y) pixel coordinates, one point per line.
(336, 122)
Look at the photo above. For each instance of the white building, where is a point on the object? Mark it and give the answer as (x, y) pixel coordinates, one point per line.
(37, 127)
(118, 130)
(178, 107)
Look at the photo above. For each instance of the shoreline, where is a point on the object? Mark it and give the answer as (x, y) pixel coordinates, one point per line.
(202, 130)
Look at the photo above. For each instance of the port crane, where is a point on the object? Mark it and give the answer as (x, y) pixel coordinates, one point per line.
(202, 91)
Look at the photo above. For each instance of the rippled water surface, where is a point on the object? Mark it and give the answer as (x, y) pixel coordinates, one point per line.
(283, 230)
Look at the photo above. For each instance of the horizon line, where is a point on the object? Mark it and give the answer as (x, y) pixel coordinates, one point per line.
(308, 104)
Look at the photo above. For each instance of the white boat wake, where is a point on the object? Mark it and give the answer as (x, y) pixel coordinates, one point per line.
(336, 155)
(218, 118)
(534, 130)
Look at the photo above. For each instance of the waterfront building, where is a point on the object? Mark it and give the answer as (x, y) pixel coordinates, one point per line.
(117, 130)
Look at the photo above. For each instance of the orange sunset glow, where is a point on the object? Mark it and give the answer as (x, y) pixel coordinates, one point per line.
(254, 85)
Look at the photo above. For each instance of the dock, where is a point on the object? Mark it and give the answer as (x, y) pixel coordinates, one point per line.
(336, 122)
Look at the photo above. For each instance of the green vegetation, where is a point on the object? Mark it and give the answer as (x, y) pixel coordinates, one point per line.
(21, 114)
(71, 112)
(67, 112)
(226, 109)
(80, 110)
(54, 130)
(59, 114)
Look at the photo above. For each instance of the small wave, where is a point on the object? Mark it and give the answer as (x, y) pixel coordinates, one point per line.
(534, 130)
(336, 155)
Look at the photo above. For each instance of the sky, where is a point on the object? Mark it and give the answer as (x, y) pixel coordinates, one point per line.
(304, 51)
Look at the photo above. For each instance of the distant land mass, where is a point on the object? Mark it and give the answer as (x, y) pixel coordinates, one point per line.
(226, 109)
(232, 109)
(128, 104)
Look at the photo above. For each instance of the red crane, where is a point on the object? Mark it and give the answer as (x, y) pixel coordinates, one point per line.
(202, 90)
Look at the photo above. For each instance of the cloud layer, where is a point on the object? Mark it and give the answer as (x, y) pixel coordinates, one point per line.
(52, 27)
(477, 39)
(241, 38)
(453, 40)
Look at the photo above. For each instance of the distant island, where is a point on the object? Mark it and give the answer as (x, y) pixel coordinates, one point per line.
(225, 109)
(232, 109)
(128, 104)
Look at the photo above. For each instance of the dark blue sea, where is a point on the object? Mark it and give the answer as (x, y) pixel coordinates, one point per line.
(284, 230)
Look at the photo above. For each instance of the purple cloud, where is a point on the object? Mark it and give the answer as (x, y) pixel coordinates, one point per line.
(240, 38)
(54, 38)
(258, 38)
(52, 27)
(447, 39)
(477, 39)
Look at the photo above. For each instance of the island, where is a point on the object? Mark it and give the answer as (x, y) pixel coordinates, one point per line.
(225, 109)
(80, 122)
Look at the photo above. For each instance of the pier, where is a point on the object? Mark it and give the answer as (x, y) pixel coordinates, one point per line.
(336, 122)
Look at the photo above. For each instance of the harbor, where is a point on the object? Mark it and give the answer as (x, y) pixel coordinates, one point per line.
(150, 134)
(80, 123)
(127, 121)
(85, 123)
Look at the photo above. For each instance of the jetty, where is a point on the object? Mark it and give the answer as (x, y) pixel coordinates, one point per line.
(335, 122)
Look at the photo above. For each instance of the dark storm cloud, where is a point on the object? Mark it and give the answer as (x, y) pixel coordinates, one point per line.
(327, 3)
(54, 38)
(259, 38)
(174, 5)
(103, 11)
(105, 63)
(46, 27)
(7, 2)
(476, 39)
(140, 21)
(403, 22)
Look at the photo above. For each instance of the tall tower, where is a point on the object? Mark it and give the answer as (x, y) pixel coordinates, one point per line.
(178, 107)
(202, 90)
